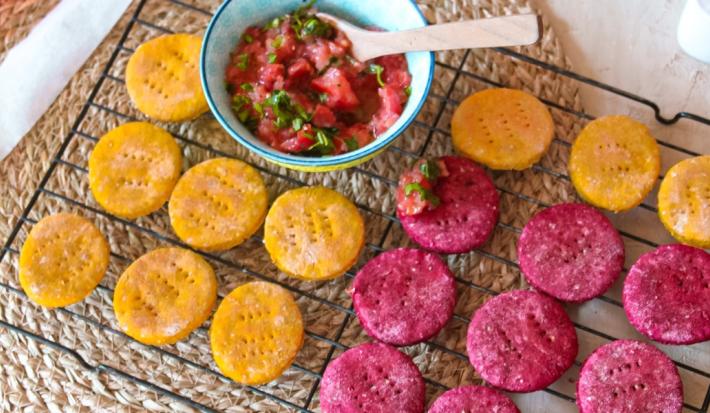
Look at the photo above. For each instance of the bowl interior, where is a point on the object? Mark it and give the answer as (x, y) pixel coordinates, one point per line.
(234, 16)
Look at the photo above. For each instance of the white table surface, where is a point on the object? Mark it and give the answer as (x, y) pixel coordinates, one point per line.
(632, 44)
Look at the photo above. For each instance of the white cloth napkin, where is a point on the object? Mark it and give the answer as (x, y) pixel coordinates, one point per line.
(36, 70)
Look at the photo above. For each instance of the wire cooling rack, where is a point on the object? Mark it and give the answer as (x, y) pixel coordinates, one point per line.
(322, 344)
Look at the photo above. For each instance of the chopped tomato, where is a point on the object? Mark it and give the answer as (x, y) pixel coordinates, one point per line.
(360, 132)
(319, 54)
(299, 143)
(284, 44)
(272, 76)
(267, 131)
(337, 87)
(323, 117)
(389, 111)
(300, 68)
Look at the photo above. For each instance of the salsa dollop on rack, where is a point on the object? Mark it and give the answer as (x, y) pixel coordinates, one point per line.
(295, 85)
(415, 191)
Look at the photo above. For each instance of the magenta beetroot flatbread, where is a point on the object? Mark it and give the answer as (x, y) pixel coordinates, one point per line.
(521, 341)
(466, 216)
(473, 399)
(571, 252)
(404, 296)
(373, 378)
(667, 294)
(628, 376)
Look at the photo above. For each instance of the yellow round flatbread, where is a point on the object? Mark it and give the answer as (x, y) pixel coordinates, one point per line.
(163, 78)
(614, 163)
(133, 169)
(502, 128)
(256, 333)
(63, 259)
(684, 201)
(218, 204)
(314, 233)
(164, 295)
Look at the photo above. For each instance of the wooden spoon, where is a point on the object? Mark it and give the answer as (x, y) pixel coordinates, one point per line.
(516, 30)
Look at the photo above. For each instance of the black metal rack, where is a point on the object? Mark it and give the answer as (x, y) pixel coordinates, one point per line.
(333, 343)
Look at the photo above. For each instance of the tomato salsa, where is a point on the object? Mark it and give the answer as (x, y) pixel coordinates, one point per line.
(415, 192)
(295, 85)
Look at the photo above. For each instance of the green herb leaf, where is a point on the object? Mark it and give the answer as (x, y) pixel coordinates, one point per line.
(273, 23)
(272, 57)
(259, 108)
(302, 112)
(281, 122)
(323, 97)
(324, 143)
(408, 90)
(243, 115)
(377, 71)
(297, 124)
(314, 26)
(277, 42)
(285, 110)
(242, 61)
(352, 144)
(247, 38)
(239, 101)
(246, 87)
(424, 194)
(430, 169)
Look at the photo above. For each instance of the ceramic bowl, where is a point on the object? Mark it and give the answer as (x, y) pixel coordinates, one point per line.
(234, 16)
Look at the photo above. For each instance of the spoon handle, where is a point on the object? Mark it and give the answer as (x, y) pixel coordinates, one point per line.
(516, 30)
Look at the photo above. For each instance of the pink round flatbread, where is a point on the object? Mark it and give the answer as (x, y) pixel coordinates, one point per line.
(571, 252)
(628, 376)
(467, 215)
(473, 399)
(667, 294)
(521, 341)
(373, 378)
(404, 296)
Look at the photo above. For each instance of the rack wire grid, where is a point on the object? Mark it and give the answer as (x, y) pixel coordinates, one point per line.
(328, 313)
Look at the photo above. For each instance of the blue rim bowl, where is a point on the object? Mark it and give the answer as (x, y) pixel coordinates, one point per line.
(234, 16)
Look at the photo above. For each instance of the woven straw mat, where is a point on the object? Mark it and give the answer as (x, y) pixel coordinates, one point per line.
(35, 377)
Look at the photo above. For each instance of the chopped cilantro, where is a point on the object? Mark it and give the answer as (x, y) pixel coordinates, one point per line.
(259, 108)
(239, 101)
(430, 169)
(302, 112)
(272, 58)
(281, 122)
(323, 97)
(246, 87)
(273, 23)
(408, 90)
(316, 27)
(351, 143)
(377, 71)
(424, 194)
(242, 61)
(324, 143)
(297, 124)
(277, 42)
(247, 38)
(285, 110)
(243, 115)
